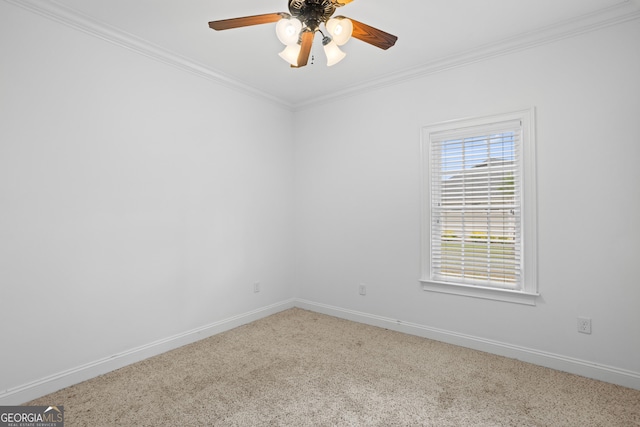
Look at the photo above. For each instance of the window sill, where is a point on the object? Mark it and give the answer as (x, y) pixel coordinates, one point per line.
(506, 295)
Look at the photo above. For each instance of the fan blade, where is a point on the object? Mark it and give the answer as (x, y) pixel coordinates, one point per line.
(340, 3)
(373, 36)
(226, 24)
(305, 48)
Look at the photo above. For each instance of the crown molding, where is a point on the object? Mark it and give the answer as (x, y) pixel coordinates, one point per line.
(78, 21)
(627, 10)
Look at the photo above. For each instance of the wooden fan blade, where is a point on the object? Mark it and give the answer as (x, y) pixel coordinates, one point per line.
(373, 36)
(226, 24)
(305, 48)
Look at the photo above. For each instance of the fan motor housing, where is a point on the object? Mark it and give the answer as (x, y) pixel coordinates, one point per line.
(312, 12)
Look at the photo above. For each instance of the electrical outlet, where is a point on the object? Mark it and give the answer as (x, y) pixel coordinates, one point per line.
(362, 289)
(256, 287)
(584, 325)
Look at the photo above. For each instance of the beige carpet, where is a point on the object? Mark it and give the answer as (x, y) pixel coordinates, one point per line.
(299, 368)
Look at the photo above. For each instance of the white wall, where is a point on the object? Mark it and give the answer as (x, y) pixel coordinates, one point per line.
(358, 199)
(137, 201)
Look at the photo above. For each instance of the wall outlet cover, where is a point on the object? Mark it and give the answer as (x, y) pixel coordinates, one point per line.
(584, 325)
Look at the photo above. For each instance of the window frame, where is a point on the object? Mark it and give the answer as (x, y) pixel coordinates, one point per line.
(528, 293)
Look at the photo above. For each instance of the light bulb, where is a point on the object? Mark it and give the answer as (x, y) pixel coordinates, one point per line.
(288, 30)
(290, 54)
(340, 30)
(333, 52)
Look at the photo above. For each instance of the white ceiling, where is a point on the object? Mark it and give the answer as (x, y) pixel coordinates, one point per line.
(432, 34)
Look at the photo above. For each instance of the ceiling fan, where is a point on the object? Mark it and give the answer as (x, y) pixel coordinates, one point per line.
(297, 29)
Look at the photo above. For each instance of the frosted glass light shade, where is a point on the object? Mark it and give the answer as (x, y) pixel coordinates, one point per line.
(290, 54)
(288, 30)
(334, 54)
(340, 30)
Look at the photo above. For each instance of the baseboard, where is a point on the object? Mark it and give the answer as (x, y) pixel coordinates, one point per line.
(554, 361)
(52, 383)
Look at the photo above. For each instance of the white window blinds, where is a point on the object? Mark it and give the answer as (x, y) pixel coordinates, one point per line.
(476, 207)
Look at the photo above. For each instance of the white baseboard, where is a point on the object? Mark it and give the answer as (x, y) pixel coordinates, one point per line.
(52, 383)
(558, 362)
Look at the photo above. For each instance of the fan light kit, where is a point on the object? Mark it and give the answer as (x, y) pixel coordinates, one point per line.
(297, 29)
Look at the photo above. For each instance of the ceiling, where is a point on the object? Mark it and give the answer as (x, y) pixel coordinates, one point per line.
(432, 34)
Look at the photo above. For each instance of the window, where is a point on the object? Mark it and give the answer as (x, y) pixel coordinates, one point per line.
(478, 234)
